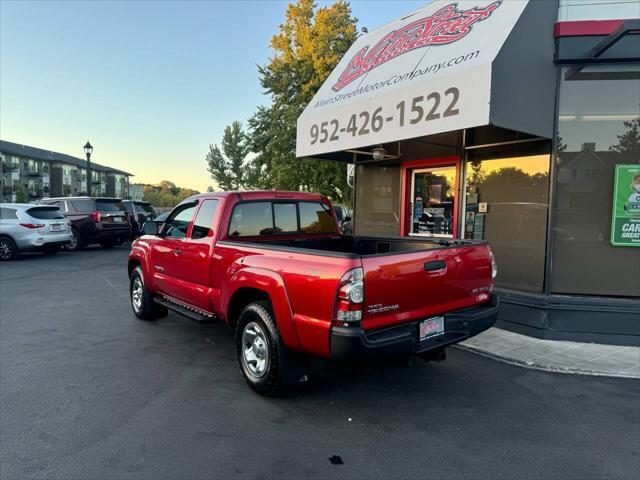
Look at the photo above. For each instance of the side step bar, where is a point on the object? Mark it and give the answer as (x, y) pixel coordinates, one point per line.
(188, 311)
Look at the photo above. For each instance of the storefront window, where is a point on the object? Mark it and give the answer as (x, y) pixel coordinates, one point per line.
(598, 128)
(507, 204)
(378, 201)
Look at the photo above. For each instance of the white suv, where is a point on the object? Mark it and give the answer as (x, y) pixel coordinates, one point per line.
(31, 227)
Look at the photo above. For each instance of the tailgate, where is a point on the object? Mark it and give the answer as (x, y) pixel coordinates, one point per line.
(113, 219)
(403, 287)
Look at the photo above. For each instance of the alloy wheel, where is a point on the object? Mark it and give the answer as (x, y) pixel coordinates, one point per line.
(255, 350)
(73, 243)
(136, 294)
(6, 251)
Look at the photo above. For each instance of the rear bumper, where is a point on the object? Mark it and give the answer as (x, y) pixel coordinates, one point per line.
(36, 241)
(107, 234)
(360, 346)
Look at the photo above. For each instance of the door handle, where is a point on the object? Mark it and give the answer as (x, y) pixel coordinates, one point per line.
(177, 251)
(435, 265)
(158, 268)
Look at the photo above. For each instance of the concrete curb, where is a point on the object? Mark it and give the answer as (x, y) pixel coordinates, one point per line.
(542, 367)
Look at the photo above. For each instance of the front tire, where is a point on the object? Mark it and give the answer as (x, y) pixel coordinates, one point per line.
(141, 299)
(267, 365)
(8, 249)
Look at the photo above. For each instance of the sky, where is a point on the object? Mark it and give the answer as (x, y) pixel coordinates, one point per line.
(150, 83)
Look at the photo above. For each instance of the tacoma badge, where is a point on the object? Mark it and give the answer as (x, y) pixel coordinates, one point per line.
(379, 308)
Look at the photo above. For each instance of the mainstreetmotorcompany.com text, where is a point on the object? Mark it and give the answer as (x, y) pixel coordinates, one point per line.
(432, 69)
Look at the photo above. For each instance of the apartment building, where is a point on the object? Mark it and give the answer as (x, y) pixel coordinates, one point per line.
(31, 173)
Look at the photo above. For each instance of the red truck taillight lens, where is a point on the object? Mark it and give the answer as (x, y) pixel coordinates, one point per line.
(348, 308)
(96, 216)
(494, 267)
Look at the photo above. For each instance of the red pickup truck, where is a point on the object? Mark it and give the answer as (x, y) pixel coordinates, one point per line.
(275, 267)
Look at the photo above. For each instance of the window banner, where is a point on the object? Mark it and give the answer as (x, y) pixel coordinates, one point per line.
(625, 218)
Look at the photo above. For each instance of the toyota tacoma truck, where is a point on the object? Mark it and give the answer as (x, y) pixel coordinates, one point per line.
(275, 267)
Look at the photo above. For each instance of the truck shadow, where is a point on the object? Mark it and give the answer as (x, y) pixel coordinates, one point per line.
(390, 383)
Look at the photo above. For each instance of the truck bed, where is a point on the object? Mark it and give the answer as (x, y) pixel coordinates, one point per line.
(349, 246)
(404, 278)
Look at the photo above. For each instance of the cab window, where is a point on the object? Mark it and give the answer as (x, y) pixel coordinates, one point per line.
(204, 219)
(285, 216)
(177, 224)
(251, 219)
(316, 217)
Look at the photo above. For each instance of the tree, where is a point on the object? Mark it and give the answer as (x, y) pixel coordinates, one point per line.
(21, 194)
(227, 167)
(522, 187)
(307, 47)
(629, 141)
(166, 194)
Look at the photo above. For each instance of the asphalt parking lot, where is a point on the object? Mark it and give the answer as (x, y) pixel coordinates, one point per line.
(88, 391)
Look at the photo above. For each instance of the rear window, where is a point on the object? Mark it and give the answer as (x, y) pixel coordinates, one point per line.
(144, 207)
(83, 206)
(109, 206)
(45, 213)
(251, 219)
(86, 206)
(316, 218)
(58, 204)
(269, 218)
(286, 217)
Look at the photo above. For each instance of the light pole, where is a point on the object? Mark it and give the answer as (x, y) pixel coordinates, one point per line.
(88, 149)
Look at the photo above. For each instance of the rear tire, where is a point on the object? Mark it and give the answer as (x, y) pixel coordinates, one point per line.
(141, 299)
(267, 365)
(76, 243)
(8, 249)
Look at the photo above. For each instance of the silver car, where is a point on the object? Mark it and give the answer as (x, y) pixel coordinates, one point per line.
(31, 227)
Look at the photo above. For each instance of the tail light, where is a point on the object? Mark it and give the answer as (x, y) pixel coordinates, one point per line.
(349, 298)
(96, 216)
(32, 225)
(494, 266)
(494, 270)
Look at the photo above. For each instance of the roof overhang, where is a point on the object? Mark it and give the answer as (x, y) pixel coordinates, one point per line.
(447, 66)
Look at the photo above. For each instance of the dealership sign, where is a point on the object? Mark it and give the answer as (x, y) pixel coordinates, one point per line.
(625, 218)
(428, 72)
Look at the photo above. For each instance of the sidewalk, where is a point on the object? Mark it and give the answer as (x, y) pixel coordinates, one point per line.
(556, 356)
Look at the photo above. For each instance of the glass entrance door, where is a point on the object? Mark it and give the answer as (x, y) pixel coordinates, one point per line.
(432, 209)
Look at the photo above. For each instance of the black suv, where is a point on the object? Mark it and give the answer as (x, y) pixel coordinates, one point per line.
(93, 220)
(138, 212)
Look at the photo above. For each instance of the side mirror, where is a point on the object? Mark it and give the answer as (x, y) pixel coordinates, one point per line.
(346, 219)
(150, 228)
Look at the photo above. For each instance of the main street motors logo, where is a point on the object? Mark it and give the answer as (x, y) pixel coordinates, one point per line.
(447, 25)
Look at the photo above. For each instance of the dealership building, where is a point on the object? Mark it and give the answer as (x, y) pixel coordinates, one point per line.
(515, 122)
